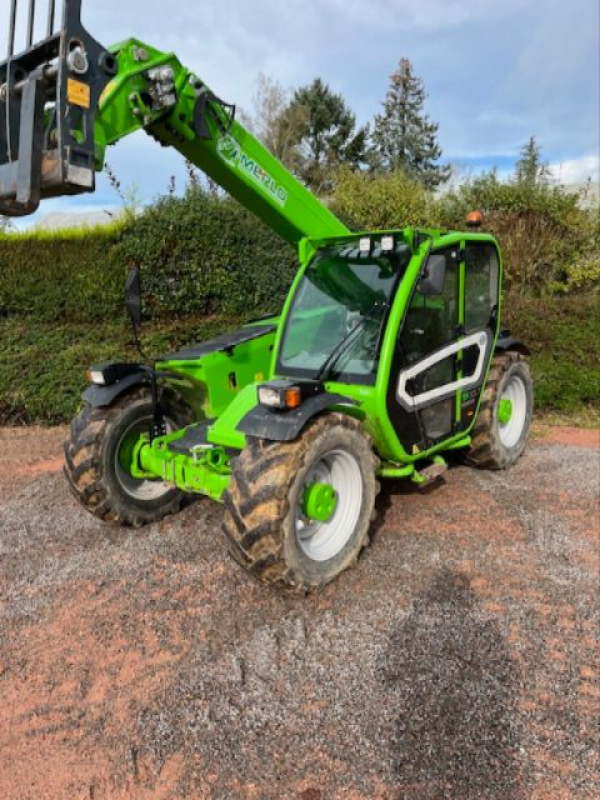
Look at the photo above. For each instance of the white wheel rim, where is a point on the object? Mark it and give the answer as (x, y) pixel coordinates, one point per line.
(141, 489)
(321, 541)
(516, 393)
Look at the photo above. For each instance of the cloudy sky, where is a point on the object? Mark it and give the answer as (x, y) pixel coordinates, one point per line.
(496, 71)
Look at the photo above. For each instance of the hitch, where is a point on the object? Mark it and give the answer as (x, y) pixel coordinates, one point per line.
(49, 93)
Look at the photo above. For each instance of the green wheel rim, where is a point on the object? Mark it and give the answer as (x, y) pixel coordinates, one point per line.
(319, 502)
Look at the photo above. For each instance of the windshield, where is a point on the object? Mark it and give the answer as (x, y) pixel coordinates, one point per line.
(334, 327)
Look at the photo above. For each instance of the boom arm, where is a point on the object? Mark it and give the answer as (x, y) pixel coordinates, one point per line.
(153, 91)
(65, 99)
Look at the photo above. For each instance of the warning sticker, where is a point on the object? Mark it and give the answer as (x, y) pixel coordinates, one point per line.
(78, 94)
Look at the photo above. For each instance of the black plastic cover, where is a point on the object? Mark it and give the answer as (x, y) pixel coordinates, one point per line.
(104, 396)
(222, 343)
(285, 426)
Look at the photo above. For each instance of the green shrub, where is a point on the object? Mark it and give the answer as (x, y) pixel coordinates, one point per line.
(68, 275)
(369, 201)
(563, 335)
(199, 254)
(206, 254)
(549, 243)
(207, 263)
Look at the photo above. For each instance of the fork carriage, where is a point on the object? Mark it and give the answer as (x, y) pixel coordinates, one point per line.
(49, 93)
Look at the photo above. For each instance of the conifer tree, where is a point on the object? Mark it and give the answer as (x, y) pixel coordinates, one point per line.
(530, 170)
(404, 138)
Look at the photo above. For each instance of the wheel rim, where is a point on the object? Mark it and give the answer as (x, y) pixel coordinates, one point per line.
(139, 489)
(512, 411)
(320, 540)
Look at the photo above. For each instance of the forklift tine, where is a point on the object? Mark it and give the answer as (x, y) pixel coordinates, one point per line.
(51, 16)
(12, 29)
(30, 23)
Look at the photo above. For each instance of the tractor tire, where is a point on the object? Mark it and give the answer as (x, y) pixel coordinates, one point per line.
(268, 532)
(505, 415)
(95, 472)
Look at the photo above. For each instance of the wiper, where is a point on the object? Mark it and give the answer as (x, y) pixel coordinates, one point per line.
(339, 350)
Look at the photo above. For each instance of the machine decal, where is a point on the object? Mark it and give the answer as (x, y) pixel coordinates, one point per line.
(232, 151)
(78, 93)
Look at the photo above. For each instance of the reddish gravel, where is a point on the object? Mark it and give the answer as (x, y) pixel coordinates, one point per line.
(459, 660)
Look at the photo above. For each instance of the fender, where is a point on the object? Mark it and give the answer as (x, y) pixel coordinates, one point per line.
(285, 426)
(102, 396)
(506, 342)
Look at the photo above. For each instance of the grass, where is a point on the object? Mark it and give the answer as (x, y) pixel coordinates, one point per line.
(42, 368)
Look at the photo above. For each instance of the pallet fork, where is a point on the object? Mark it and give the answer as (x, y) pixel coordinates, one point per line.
(49, 93)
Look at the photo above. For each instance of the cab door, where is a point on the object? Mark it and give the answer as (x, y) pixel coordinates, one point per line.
(441, 356)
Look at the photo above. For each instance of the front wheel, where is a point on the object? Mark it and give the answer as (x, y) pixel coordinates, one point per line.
(298, 513)
(98, 454)
(504, 421)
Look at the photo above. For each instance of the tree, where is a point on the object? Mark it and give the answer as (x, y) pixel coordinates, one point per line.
(530, 170)
(328, 136)
(5, 224)
(404, 138)
(274, 123)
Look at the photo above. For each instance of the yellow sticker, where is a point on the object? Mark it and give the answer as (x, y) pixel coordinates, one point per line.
(416, 450)
(78, 94)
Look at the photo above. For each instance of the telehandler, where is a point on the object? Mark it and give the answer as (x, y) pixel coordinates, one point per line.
(388, 353)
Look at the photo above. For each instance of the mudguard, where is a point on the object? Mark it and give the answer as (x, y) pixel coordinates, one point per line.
(103, 396)
(285, 426)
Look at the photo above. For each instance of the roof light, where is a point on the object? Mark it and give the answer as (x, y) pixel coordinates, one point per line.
(387, 244)
(365, 245)
(475, 219)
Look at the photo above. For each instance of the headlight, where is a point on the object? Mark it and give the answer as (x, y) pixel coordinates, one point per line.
(97, 377)
(281, 397)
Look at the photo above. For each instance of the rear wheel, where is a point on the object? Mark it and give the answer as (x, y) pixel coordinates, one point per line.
(502, 428)
(98, 454)
(298, 513)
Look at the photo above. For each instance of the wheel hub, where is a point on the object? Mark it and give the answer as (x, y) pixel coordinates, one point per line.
(319, 502)
(505, 411)
(512, 411)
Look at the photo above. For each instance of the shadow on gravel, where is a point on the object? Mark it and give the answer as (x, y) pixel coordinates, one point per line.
(455, 687)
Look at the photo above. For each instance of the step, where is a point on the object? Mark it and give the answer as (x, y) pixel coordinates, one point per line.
(426, 476)
(195, 437)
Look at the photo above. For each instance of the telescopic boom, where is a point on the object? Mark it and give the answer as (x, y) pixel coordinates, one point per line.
(64, 100)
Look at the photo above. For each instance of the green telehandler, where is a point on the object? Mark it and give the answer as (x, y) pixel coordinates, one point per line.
(388, 353)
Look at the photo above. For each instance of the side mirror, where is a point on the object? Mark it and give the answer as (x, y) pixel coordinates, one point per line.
(133, 298)
(434, 276)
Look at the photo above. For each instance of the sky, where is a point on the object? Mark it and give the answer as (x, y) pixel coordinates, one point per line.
(496, 71)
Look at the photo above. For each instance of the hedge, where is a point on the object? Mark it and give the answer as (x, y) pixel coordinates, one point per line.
(207, 264)
(198, 255)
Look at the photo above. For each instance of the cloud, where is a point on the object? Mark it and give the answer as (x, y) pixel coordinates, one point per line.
(577, 170)
(496, 71)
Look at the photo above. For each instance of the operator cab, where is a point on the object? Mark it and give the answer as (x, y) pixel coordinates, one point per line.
(432, 366)
(444, 343)
(338, 316)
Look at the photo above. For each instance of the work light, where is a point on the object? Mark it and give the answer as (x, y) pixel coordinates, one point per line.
(280, 397)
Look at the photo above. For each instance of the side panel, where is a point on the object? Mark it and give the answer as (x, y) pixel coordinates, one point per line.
(213, 380)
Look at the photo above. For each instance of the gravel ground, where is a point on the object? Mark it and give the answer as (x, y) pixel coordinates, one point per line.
(458, 660)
